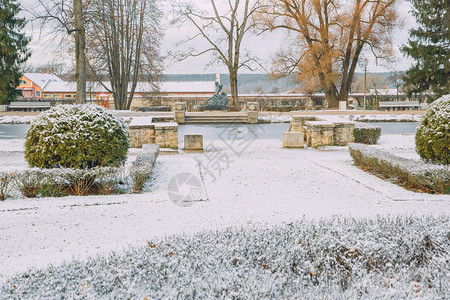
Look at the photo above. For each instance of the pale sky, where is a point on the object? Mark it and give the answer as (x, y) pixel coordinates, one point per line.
(264, 46)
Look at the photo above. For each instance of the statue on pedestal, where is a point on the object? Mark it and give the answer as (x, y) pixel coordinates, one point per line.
(219, 101)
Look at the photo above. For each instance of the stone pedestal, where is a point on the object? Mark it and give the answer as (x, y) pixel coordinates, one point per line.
(252, 117)
(293, 140)
(180, 112)
(298, 124)
(193, 142)
(320, 133)
(342, 105)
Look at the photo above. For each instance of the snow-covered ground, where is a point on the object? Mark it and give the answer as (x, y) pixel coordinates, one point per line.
(384, 118)
(242, 182)
(16, 119)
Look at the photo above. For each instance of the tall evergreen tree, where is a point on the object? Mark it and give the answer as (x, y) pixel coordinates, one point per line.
(13, 50)
(429, 46)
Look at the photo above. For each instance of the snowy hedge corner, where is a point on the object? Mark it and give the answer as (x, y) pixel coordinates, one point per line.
(433, 133)
(367, 134)
(77, 136)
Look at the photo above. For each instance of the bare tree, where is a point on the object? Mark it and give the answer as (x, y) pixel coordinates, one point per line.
(80, 48)
(60, 19)
(123, 43)
(224, 33)
(328, 37)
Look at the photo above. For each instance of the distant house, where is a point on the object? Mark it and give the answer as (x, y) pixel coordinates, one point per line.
(50, 86)
(37, 85)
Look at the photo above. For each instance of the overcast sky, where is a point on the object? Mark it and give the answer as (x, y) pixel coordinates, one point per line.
(264, 46)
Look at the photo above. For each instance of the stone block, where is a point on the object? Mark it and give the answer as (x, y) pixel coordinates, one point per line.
(320, 133)
(293, 140)
(193, 142)
(252, 117)
(166, 135)
(342, 105)
(344, 133)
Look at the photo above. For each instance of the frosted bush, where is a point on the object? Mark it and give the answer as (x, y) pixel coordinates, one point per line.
(341, 258)
(433, 133)
(76, 136)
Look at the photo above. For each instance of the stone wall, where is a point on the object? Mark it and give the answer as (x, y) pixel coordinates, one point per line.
(140, 135)
(143, 131)
(166, 135)
(320, 131)
(295, 102)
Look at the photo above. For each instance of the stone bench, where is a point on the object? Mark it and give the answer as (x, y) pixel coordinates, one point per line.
(29, 106)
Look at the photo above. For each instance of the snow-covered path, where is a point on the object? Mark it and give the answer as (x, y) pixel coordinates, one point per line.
(264, 184)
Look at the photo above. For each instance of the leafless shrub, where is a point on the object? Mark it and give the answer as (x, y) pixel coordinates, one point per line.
(6, 184)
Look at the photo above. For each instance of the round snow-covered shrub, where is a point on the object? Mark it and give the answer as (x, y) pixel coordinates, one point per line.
(433, 133)
(76, 136)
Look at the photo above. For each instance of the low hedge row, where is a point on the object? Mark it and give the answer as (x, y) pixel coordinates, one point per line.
(417, 174)
(142, 167)
(367, 134)
(58, 182)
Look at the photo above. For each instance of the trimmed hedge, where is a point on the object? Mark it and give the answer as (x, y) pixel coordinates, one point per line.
(76, 136)
(367, 134)
(417, 174)
(433, 133)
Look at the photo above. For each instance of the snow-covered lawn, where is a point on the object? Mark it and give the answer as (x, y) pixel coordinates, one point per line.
(243, 184)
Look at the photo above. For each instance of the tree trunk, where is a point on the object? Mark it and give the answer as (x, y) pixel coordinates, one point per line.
(80, 58)
(234, 90)
(331, 97)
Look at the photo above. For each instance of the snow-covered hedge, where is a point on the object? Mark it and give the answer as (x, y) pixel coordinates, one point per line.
(367, 134)
(381, 258)
(76, 136)
(142, 167)
(433, 133)
(417, 174)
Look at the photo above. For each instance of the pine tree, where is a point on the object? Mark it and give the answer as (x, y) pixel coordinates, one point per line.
(13, 50)
(429, 46)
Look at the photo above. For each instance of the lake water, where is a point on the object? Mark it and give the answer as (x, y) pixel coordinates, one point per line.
(228, 131)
